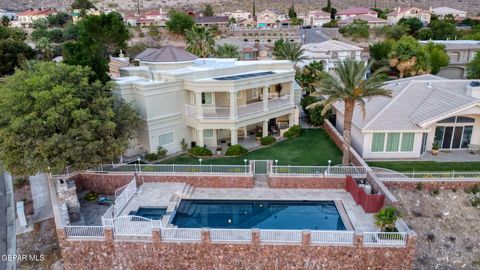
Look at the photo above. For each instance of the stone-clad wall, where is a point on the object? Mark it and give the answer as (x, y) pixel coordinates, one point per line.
(431, 185)
(117, 254)
(108, 183)
(306, 182)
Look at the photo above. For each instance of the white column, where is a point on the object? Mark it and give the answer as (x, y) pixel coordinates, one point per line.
(200, 137)
(198, 104)
(233, 105)
(265, 128)
(245, 132)
(233, 136)
(291, 119)
(292, 92)
(265, 98)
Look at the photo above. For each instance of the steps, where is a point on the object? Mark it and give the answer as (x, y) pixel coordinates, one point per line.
(260, 181)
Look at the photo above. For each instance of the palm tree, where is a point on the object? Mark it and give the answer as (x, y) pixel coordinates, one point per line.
(227, 51)
(200, 41)
(351, 88)
(5, 21)
(385, 218)
(290, 51)
(46, 48)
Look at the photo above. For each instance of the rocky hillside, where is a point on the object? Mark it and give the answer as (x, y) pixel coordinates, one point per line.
(472, 6)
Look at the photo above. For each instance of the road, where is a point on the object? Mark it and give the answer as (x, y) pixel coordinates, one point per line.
(3, 220)
(313, 35)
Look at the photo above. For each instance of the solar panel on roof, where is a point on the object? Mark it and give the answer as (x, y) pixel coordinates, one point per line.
(243, 76)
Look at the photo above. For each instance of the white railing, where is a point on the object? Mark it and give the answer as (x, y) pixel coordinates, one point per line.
(107, 218)
(181, 234)
(230, 235)
(332, 237)
(279, 102)
(84, 231)
(281, 236)
(175, 169)
(124, 196)
(250, 109)
(216, 112)
(357, 171)
(133, 226)
(385, 238)
(401, 225)
(444, 176)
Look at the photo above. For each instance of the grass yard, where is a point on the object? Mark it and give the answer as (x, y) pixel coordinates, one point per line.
(406, 166)
(312, 147)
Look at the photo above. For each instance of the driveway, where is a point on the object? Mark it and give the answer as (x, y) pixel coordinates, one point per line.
(314, 35)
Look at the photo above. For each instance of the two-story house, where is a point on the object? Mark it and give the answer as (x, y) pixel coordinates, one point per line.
(206, 102)
(330, 52)
(238, 15)
(423, 15)
(315, 18)
(25, 19)
(354, 12)
(270, 18)
(441, 12)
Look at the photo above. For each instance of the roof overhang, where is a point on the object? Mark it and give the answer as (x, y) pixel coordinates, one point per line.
(472, 108)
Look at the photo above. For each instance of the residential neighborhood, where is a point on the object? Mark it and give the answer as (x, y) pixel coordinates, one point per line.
(211, 135)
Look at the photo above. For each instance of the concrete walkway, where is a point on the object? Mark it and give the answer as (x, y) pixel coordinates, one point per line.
(42, 204)
(7, 222)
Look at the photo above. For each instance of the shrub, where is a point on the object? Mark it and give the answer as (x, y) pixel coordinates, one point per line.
(267, 140)
(200, 151)
(473, 190)
(435, 192)
(475, 202)
(385, 218)
(161, 153)
(91, 196)
(419, 186)
(294, 131)
(20, 182)
(236, 150)
(184, 145)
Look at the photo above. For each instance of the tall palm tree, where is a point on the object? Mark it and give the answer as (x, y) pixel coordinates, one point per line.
(291, 51)
(227, 51)
(46, 48)
(200, 41)
(5, 21)
(351, 88)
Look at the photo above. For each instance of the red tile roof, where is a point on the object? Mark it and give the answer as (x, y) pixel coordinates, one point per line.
(37, 12)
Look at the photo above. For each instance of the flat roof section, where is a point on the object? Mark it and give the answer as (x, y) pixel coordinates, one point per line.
(244, 76)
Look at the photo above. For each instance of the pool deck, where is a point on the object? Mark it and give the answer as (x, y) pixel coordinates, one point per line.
(168, 194)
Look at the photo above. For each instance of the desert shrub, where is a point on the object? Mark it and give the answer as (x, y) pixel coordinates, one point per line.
(294, 131)
(473, 190)
(200, 151)
(91, 196)
(435, 192)
(184, 145)
(161, 153)
(267, 140)
(236, 150)
(20, 182)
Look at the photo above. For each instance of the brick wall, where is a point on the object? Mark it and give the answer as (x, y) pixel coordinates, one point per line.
(306, 182)
(108, 183)
(116, 254)
(431, 185)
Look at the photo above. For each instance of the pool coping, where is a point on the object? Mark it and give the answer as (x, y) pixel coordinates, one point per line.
(342, 212)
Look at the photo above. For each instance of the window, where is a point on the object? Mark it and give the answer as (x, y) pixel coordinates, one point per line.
(208, 133)
(407, 142)
(166, 139)
(207, 98)
(467, 136)
(378, 142)
(457, 119)
(393, 140)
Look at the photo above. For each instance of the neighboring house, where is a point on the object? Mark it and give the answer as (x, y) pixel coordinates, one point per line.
(249, 50)
(423, 15)
(218, 21)
(154, 17)
(441, 12)
(355, 11)
(238, 15)
(206, 101)
(26, 18)
(423, 110)
(77, 14)
(264, 35)
(12, 15)
(460, 53)
(372, 21)
(330, 52)
(270, 18)
(315, 18)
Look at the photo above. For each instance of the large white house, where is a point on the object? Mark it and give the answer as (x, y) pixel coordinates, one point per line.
(441, 12)
(330, 53)
(423, 110)
(207, 102)
(399, 13)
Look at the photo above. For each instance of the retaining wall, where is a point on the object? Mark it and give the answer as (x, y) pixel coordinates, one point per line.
(316, 182)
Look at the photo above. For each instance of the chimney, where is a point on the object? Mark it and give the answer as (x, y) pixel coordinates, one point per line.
(473, 89)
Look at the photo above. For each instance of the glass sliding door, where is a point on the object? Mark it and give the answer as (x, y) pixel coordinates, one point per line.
(455, 137)
(467, 136)
(447, 138)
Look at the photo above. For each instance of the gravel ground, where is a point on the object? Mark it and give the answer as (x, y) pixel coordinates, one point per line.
(41, 241)
(447, 225)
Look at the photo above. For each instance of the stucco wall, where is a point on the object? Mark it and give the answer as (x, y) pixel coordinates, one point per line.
(306, 182)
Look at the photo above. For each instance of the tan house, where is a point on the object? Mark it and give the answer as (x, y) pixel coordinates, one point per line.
(356, 11)
(315, 18)
(372, 21)
(238, 15)
(423, 15)
(441, 12)
(25, 19)
(270, 18)
(207, 101)
(330, 53)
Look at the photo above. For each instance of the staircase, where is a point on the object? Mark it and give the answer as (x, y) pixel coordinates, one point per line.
(260, 181)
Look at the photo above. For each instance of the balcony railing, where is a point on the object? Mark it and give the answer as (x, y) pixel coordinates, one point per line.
(242, 111)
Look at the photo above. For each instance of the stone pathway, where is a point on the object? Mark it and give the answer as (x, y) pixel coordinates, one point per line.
(41, 198)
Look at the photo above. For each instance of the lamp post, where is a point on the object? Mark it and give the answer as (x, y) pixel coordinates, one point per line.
(276, 164)
(139, 168)
(329, 162)
(200, 161)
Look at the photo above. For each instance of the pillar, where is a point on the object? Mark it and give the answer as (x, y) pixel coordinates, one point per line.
(233, 136)
(265, 128)
(108, 232)
(198, 104)
(306, 237)
(292, 93)
(291, 119)
(205, 235)
(233, 105)
(256, 236)
(200, 137)
(156, 235)
(245, 132)
(265, 98)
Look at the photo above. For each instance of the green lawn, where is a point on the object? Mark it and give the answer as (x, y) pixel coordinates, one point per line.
(312, 147)
(406, 166)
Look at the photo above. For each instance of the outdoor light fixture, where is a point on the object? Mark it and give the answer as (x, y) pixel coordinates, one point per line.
(200, 160)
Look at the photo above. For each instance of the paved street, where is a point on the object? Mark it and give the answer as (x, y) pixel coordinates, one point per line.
(314, 35)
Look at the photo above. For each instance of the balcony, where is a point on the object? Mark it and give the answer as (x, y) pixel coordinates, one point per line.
(242, 110)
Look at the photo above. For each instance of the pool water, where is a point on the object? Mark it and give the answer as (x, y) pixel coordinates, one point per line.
(154, 213)
(293, 215)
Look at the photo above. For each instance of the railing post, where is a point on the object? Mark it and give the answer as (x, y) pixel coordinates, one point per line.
(108, 232)
(156, 235)
(211, 168)
(173, 168)
(255, 236)
(358, 239)
(205, 235)
(306, 237)
(453, 174)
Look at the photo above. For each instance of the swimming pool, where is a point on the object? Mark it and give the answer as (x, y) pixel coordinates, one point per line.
(155, 213)
(293, 215)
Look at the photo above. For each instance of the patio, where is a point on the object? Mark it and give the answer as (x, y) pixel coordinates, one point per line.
(451, 156)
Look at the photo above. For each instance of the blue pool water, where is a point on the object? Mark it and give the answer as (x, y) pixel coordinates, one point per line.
(154, 213)
(314, 215)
